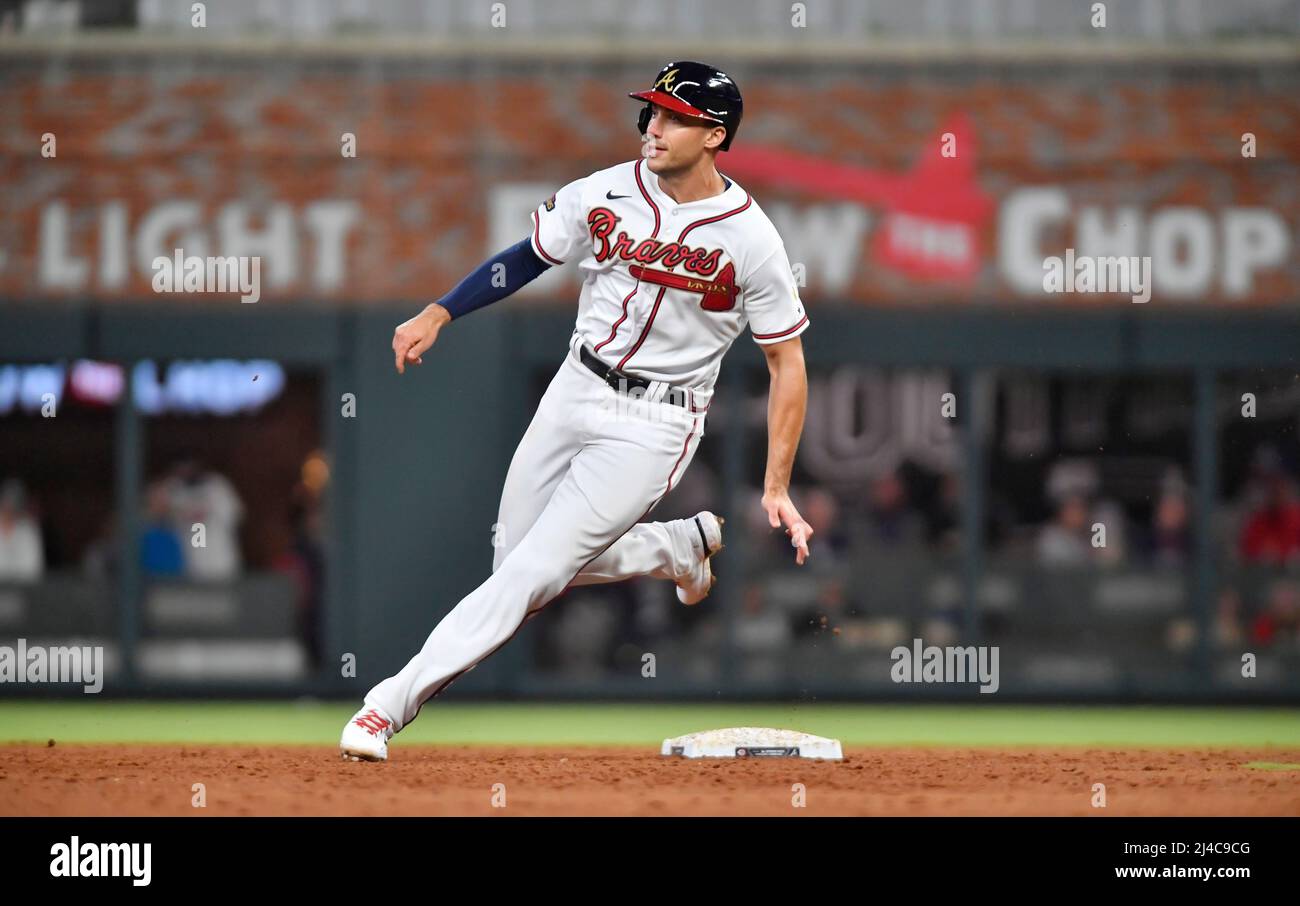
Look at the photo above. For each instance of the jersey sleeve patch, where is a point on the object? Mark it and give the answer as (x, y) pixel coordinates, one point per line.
(771, 300)
(560, 225)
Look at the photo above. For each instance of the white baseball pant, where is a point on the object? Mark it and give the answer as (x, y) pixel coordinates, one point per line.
(590, 467)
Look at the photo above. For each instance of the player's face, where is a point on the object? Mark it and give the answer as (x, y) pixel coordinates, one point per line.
(676, 142)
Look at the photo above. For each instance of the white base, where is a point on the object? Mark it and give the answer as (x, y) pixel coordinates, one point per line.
(753, 742)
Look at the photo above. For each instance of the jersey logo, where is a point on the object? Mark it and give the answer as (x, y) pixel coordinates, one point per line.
(550, 203)
(698, 260)
(611, 196)
(718, 294)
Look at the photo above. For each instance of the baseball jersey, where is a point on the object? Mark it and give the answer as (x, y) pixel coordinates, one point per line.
(667, 287)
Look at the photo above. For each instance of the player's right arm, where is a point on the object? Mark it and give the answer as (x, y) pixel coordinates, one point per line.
(559, 226)
(491, 281)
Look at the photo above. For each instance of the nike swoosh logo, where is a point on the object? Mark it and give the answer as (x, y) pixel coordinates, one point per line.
(611, 196)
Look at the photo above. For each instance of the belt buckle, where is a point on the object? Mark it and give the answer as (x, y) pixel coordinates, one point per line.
(620, 381)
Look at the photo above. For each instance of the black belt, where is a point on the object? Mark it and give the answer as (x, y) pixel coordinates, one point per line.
(622, 382)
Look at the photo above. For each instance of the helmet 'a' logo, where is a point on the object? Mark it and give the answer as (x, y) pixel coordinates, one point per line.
(667, 81)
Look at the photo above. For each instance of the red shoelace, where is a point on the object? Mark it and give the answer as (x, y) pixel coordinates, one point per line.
(371, 722)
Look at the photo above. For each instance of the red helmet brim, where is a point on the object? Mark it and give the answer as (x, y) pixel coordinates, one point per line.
(670, 102)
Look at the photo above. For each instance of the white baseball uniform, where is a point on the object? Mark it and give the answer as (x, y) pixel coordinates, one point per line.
(666, 288)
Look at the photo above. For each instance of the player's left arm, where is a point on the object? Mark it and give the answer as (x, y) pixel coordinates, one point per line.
(787, 401)
(776, 320)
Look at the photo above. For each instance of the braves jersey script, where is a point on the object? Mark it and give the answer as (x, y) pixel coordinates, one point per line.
(667, 287)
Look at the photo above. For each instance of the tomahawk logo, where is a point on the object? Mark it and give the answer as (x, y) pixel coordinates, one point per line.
(102, 860)
(932, 216)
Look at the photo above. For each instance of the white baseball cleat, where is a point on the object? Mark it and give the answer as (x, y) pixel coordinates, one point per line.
(706, 539)
(365, 738)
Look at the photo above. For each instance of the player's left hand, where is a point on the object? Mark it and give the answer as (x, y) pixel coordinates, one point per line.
(781, 511)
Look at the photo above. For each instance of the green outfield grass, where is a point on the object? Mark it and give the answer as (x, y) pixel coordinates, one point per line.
(317, 722)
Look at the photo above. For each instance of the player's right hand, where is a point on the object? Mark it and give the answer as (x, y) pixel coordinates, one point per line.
(412, 338)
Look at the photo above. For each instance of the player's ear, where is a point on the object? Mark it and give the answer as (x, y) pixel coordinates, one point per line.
(717, 135)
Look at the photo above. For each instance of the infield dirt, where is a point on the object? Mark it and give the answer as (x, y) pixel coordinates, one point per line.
(81, 779)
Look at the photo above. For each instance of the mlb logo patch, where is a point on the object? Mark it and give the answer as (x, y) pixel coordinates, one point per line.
(550, 203)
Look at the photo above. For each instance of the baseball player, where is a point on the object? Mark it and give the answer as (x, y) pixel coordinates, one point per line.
(676, 260)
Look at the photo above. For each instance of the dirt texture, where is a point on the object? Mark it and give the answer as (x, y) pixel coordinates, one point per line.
(80, 780)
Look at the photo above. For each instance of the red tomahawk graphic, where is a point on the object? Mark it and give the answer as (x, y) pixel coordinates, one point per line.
(716, 295)
(933, 213)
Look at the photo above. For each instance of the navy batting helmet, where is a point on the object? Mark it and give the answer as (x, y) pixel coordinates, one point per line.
(694, 89)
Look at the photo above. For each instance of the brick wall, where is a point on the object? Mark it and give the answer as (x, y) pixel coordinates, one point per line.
(242, 156)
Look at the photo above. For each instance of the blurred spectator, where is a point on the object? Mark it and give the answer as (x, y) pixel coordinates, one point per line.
(1065, 541)
(22, 555)
(1169, 542)
(203, 497)
(304, 563)
(943, 516)
(1110, 515)
(160, 548)
(1271, 532)
(99, 560)
(1265, 466)
(822, 512)
(1279, 624)
(890, 521)
(1068, 540)
(1228, 629)
(1072, 478)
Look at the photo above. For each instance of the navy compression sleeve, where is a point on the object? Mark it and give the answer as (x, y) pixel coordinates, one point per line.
(520, 266)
